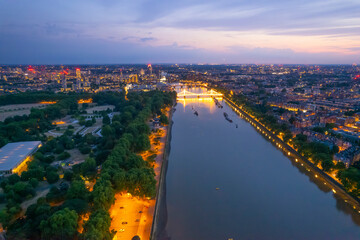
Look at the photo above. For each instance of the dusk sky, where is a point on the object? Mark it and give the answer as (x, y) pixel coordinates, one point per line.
(186, 31)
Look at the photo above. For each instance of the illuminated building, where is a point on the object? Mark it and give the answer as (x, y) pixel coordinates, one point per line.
(78, 73)
(64, 83)
(78, 79)
(163, 77)
(133, 78)
(142, 72)
(150, 69)
(14, 156)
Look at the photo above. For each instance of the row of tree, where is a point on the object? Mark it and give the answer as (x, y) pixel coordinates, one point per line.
(123, 169)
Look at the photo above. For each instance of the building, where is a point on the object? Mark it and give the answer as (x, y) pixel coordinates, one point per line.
(150, 69)
(14, 156)
(133, 78)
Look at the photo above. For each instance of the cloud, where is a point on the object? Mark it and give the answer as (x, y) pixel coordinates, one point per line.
(146, 39)
(203, 30)
(94, 51)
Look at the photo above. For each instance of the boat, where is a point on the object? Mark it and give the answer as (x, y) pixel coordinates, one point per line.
(227, 117)
(236, 126)
(217, 103)
(217, 188)
(196, 113)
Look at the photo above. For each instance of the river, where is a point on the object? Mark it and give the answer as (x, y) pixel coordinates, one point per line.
(225, 182)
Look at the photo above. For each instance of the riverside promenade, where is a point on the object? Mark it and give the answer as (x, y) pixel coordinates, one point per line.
(159, 217)
(316, 174)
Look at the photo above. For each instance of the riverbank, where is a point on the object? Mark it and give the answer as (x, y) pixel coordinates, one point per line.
(159, 217)
(316, 174)
(131, 215)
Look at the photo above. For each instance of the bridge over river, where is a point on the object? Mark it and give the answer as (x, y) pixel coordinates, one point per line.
(188, 94)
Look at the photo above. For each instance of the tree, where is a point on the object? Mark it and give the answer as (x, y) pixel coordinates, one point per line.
(107, 131)
(287, 137)
(142, 143)
(14, 178)
(292, 119)
(98, 226)
(340, 165)
(164, 119)
(335, 149)
(103, 194)
(85, 149)
(63, 156)
(79, 205)
(106, 120)
(34, 182)
(327, 165)
(77, 190)
(88, 123)
(61, 225)
(52, 177)
(88, 167)
(55, 195)
(68, 175)
(119, 180)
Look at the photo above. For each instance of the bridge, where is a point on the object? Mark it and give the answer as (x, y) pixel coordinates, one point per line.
(211, 93)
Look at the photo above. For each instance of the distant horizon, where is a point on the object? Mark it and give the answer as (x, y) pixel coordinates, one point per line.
(196, 64)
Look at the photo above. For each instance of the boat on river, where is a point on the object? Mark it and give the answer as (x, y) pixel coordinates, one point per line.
(218, 104)
(227, 117)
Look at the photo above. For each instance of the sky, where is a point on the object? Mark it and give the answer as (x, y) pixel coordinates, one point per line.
(182, 31)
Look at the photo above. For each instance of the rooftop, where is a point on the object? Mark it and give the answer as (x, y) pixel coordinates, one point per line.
(14, 153)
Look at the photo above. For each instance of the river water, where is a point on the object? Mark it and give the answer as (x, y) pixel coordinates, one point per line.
(225, 182)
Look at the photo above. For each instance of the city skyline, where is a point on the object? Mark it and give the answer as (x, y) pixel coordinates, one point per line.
(116, 32)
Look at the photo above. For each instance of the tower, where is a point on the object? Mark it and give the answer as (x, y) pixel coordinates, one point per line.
(64, 83)
(78, 79)
(150, 69)
(78, 73)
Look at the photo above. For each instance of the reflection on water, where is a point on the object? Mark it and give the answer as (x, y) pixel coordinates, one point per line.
(195, 102)
(261, 193)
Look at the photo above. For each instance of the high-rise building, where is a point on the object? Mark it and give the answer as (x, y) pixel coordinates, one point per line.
(78, 73)
(78, 79)
(63, 82)
(150, 69)
(142, 72)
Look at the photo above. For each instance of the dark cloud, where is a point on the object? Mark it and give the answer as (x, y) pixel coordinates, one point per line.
(146, 39)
